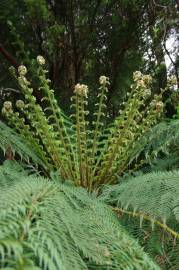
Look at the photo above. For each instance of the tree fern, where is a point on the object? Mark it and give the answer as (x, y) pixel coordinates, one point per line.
(47, 225)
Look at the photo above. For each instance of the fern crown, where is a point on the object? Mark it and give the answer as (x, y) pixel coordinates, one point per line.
(87, 153)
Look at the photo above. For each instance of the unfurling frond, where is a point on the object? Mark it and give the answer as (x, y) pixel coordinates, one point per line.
(88, 154)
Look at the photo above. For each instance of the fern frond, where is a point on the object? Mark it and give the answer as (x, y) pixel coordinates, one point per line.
(147, 205)
(126, 131)
(11, 172)
(25, 131)
(160, 241)
(18, 145)
(143, 217)
(161, 141)
(82, 134)
(153, 194)
(58, 121)
(98, 115)
(48, 226)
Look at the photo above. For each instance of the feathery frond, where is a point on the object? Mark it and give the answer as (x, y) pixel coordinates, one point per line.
(21, 146)
(147, 206)
(160, 145)
(44, 225)
(153, 195)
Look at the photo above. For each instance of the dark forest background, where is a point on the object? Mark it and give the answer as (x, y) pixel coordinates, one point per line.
(82, 40)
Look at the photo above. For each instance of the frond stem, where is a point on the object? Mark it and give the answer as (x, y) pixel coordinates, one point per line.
(148, 218)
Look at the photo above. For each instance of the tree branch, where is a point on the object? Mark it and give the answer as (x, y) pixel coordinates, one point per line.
(8, 56)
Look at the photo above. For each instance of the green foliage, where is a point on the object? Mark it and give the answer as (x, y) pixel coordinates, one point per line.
(134, 194)
(47, 225)
(11, 172)
(87, 153)
(159, 146)
(160, 242)
(26, 150)
(148, 207)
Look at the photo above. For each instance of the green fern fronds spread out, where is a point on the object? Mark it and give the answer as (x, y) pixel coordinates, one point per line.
(51, 226)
